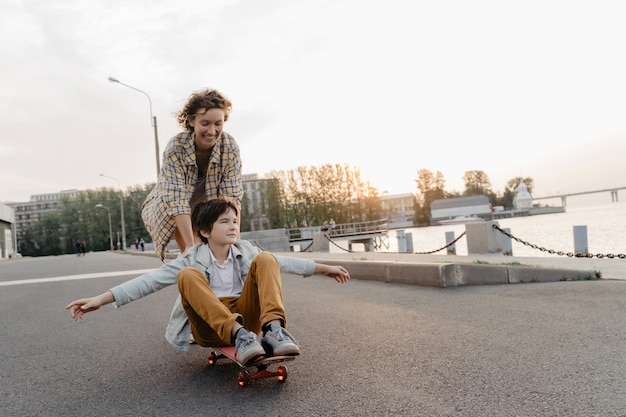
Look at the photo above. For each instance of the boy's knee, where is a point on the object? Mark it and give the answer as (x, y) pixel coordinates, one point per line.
(265, 257)
(187, 274)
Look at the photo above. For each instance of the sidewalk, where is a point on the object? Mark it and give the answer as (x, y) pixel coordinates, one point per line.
(454, 270)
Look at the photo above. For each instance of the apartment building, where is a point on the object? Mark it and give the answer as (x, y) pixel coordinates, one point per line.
(33, 210)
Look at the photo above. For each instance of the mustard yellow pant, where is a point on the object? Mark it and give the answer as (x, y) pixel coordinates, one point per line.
(212, 318)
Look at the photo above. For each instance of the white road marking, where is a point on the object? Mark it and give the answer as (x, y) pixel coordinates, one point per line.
(135, 272)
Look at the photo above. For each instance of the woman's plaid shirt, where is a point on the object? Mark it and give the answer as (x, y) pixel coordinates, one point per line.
(177, 180)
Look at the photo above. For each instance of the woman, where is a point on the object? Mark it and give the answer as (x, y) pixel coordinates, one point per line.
(203, 161)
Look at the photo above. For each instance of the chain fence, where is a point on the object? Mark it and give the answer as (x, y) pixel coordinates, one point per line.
(517, 239)
(560, 253)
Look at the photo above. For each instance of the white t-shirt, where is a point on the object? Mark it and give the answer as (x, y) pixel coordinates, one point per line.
(223, 282)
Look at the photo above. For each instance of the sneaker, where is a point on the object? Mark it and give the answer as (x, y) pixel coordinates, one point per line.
(278, 342)
(247, 347)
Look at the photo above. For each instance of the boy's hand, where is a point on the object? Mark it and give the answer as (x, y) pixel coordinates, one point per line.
(78, 308)
(339, 273)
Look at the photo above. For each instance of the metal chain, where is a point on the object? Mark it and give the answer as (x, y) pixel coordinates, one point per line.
(441, 248)
(561, 253)
(417, 253)
(343, 249)
(550, 251)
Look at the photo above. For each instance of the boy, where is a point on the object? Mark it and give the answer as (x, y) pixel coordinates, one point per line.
(224, 285)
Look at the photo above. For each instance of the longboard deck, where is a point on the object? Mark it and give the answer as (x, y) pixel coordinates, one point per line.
(256, 369)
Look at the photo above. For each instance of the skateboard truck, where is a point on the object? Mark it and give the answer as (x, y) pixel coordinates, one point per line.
(257, 369)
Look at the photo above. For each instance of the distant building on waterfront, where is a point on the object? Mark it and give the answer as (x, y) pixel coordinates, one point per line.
(449, 208)
(399, 209)
(522, 200)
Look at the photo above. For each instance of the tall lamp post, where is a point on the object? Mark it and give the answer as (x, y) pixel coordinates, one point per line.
(153, 119)
(121, 209)
(110, 229)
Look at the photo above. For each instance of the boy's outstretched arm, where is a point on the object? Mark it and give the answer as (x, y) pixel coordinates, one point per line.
(340, 273)
(78, 308)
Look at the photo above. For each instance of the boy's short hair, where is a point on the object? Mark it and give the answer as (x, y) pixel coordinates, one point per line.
(206, 213)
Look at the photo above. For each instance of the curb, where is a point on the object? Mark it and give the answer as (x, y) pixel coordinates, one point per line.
(455, 274)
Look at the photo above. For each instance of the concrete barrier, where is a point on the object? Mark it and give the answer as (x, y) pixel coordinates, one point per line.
(442, 275)
(482, 238)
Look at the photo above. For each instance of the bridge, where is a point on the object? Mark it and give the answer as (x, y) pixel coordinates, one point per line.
(373, 234)
(563, 197)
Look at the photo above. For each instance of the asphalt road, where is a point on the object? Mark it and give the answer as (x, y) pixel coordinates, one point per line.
(369, 349)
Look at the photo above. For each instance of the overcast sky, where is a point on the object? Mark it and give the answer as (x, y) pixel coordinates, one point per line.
(530, 88)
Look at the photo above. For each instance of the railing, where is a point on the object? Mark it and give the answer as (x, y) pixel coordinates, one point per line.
(340, 230)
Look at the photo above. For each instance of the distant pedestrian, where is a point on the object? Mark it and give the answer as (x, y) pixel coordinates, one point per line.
(331, 226)
(82, 247)
(78, 250)
(137, 244)
(142, 244)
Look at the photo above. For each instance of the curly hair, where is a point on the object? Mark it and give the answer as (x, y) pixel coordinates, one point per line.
(207, 99)
(206, 213)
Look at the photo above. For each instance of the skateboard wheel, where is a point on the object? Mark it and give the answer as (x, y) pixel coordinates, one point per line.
(282, 373)
(243, 379)
(212, 359)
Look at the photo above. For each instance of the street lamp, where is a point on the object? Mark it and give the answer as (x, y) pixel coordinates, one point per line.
(110, 229)
(153, 119)
(121, 209)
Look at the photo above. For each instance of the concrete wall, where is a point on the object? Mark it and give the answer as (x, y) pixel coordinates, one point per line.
(274, 240)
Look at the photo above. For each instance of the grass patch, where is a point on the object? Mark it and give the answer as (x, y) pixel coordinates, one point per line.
(479, 262)
(586, 277)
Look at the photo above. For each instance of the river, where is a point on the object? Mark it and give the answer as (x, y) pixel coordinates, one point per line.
(605, 221)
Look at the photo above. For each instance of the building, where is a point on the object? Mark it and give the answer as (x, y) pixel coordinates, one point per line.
(7, 234)
(255, 196)
(449, 208)
(33, 210)
(522, 200)
(399, 209)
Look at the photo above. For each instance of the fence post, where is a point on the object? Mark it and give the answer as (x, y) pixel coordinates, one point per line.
(409, 242)
(451, 250)
(482, 238)
(401, 241)
(507, 245)
(580, 240)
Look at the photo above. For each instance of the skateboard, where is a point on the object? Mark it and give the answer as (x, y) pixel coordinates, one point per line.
(257, 369)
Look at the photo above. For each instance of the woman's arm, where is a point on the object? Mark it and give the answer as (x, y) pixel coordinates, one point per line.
(184, 232)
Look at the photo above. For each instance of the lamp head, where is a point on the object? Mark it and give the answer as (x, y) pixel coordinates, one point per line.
(114, 80)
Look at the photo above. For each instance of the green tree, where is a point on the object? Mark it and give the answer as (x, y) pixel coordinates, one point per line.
(310, 195)
(476, 182)
(79, 218)
(431, 187)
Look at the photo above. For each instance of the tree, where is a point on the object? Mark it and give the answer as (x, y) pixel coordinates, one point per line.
(476, 182)
(310, 195)
(78, 218)
(431, 187)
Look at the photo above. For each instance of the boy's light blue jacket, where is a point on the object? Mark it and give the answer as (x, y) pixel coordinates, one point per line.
(198, 256)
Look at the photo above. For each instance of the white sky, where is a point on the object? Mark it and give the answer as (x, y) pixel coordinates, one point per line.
(531, 88)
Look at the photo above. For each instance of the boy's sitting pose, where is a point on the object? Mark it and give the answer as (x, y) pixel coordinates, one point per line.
(229, 290)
